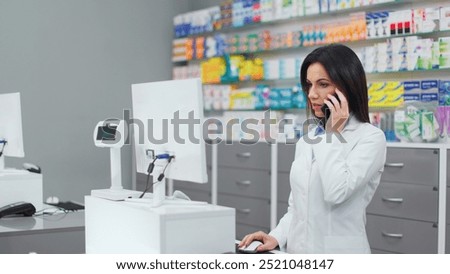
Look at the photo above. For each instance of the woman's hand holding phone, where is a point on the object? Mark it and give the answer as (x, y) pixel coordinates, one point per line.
(338, 108)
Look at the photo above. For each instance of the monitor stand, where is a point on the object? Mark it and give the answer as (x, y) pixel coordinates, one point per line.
(116, 192)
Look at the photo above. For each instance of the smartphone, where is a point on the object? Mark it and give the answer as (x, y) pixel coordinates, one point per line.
(326, 110)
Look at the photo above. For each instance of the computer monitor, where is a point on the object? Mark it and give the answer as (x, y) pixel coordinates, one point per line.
(11, 138)
(168, 119)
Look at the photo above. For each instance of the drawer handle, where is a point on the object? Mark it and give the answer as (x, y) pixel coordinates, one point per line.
(392, 235)
(244, 183)
(392, 200)
(243, 211)
(394, 164)
(244, 155)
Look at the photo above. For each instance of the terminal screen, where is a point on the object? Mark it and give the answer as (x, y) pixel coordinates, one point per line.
(106, 133)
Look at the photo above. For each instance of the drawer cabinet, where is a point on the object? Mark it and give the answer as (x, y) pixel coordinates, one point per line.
(249, 211)
(248, 156)
(244, 182)
(412, 166)
(403, 214)
(401, 236)
(405, 201)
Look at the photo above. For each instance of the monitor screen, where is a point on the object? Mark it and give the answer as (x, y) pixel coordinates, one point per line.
(11, 124)
(106, 133)
(168, 118)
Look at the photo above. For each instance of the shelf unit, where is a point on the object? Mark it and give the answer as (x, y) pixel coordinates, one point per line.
(373, 7)
(348, 43)
(429, 72)
(302, 50)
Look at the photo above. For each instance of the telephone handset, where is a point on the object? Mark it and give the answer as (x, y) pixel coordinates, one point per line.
(326, 110)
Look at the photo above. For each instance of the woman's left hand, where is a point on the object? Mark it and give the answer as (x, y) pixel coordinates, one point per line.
(339, 112)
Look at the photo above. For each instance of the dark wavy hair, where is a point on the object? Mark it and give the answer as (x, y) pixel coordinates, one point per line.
(346, 72)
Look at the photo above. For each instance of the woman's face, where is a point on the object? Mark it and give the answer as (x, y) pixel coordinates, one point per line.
(319, 86)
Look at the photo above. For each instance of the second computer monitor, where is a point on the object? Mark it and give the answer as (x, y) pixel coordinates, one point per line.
(168, 118)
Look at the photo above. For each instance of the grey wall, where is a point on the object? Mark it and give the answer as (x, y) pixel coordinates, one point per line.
(201, 4)
(74, 62)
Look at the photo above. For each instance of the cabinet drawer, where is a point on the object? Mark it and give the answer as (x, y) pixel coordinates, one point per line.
(196, 195)
(244, 155)
(194, 186)
(402, 236)
(376, 251)
(243, 229)
(281, 210)
(286, 153)
(405, 201)
(284, 186)
(245, 182)
(415, 166)
(249, 211)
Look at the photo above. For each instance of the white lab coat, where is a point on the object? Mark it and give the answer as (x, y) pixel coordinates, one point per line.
(331, 185)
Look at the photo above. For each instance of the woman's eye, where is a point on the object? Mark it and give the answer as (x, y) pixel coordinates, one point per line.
(323, 85)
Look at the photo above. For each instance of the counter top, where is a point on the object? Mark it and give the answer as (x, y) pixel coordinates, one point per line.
(57, 222)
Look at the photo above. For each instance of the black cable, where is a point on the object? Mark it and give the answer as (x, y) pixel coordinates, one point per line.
(150, 168)
(146, 186)
(160, 177)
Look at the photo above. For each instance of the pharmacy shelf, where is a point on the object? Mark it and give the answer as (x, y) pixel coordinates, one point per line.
(354, 42)
(427, 73)
(366, 8)
(212, 112)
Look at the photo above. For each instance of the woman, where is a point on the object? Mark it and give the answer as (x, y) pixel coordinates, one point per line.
(334, 174)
